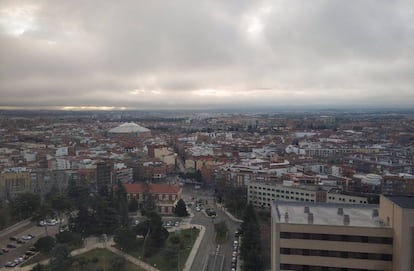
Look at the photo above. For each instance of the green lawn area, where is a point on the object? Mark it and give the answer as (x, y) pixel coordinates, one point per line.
(101, 259)
(168, 259)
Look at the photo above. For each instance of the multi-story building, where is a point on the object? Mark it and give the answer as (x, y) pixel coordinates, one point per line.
(14, 181)
(263, 194)
(103, 174)
(343, 237)
(164, 196)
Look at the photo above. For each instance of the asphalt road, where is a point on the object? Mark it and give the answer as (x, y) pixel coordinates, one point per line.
(208, 246)
(18, 231)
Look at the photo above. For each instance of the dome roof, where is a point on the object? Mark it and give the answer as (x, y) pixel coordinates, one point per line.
(129, 127)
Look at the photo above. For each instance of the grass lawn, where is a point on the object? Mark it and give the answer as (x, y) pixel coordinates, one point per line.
(101, 259)
(166, 260)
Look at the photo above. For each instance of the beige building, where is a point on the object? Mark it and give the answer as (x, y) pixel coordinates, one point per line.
(263, 194)
(343, 237)
(14, 181)
(398, 213)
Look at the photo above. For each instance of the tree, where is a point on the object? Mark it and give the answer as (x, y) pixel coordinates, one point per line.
(153, 231)
(24, 205)
(70, 238)
(133, 205)
(126, 238)
(122, 201)
(181, 208)
(60, 204)
(44, 212)
(61, 259)
(39, 267)
(45, 244)
(250, 245)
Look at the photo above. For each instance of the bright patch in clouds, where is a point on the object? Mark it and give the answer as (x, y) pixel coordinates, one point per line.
(18, 19)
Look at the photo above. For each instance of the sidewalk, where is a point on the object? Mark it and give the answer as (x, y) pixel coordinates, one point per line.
(194, 250)
(93, 242)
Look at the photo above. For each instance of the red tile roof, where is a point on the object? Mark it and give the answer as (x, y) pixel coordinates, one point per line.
(153, 188)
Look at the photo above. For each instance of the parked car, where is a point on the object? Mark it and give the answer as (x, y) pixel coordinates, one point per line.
(20, 241)
(11, 246)
(10, 264)
(4, 250)
(30, 253)
(27, 237)
(13, 238)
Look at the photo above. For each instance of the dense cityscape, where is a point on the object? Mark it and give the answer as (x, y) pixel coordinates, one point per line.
(136, 179)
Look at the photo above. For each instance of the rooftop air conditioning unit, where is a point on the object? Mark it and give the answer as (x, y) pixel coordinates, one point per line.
(340, 211)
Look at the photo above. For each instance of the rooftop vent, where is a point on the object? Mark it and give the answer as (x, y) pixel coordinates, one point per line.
(286, 217)
(375, 213)
(306, 209)
(346, 220)
(340, 211)
(310, 218)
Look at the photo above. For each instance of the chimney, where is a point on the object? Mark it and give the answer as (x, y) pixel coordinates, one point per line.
(340, 211)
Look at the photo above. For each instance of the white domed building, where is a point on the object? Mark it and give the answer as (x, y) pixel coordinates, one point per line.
(130, 129)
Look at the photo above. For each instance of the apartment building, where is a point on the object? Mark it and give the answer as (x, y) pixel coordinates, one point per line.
(344, 237)
(263, 194)
(14, 181)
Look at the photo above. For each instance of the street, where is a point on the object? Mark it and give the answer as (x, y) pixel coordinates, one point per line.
(208, 248)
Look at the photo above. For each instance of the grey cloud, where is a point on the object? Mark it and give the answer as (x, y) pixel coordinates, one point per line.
(100, 52)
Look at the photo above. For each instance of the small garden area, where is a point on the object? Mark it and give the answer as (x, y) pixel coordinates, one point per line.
(172, 255)
(96, 260)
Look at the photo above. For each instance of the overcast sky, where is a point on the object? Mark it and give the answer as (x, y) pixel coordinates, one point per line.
(206, 54)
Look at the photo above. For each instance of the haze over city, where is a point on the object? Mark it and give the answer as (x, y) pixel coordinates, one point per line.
(202, 55)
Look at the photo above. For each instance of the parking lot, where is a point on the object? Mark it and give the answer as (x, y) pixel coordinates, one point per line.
(16, 245)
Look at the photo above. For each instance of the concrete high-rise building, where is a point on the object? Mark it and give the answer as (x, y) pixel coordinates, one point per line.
(103, 174)
(343, 237)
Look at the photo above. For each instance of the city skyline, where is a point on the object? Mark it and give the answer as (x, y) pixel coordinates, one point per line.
(186, 55)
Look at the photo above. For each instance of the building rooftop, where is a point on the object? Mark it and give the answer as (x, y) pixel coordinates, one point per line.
(365, 215)
(128, 128)
(152, 188)
(403, 201)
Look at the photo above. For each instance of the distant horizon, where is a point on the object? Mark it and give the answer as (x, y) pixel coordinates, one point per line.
(252, 109)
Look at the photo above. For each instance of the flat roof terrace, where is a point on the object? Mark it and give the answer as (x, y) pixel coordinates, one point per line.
(339, 214)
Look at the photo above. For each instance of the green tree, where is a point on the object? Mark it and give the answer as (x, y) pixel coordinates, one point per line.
(250, 245)
(45, 244)
(60, 204)
(181, 208)
(154, 233)
(72, 239)
(39, 267)
(133, 205)
(126, 238)
(43, 213)
(61, 259)
(121, 199)
(24, 205)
